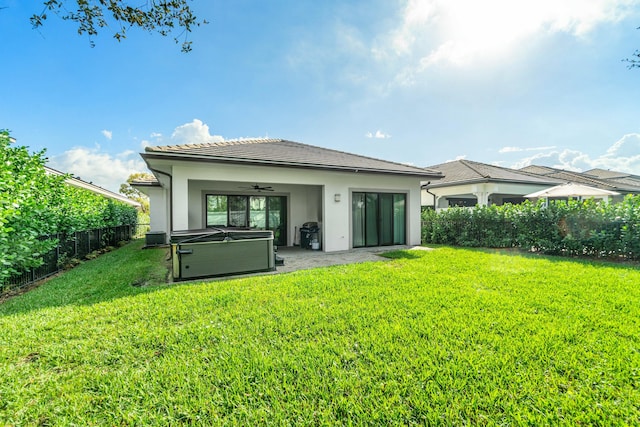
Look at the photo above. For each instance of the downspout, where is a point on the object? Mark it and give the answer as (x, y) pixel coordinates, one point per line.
(429, 192)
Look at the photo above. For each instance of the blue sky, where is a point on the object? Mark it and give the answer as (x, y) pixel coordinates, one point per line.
(504, 82)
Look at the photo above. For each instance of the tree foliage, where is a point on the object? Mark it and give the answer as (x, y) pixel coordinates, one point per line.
(35, 206)
(634, 61)
(25, 191)
(133, 193)
(155, 16)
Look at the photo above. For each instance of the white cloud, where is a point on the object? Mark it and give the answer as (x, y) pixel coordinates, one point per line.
(461, 32)
(156, 136)
(378, 135)
(627, 147)
(109, 170)
(460, 157)
(520, 149)
(622, 156)
(195, 132)
(398, 49)
(126, 154)
(100, 168)
(107, 134)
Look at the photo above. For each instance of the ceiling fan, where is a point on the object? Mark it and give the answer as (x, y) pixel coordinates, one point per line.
(258, 188)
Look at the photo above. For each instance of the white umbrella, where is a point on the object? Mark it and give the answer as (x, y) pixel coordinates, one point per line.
(571, 189)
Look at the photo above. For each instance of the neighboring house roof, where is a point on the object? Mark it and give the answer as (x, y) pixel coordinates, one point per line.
(145, 181)
(622, 178)
(607, 180)
(609, 174)
(460, 172)
(283, 153)
(77, 182)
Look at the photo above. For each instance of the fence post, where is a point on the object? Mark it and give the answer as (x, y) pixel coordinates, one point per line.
(58, 252)
(51, 260)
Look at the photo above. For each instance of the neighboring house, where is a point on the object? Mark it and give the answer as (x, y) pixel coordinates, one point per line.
(623, 178)
(281, 185)
(77, 182)
(467, 184)
(621, 182)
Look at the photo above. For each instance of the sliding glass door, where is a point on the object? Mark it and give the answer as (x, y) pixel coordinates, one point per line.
(378, 219)
(256, 212)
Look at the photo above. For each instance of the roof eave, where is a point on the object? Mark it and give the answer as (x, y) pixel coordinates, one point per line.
(261, 162)
(486, 180)
(145, 184)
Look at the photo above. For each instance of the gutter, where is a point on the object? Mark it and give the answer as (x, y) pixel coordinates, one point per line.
(429, 192)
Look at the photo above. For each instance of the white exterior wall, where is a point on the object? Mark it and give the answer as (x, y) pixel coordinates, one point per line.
(158, 209)
(311, 196)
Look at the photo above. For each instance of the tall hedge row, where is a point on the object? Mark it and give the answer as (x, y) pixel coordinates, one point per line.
(34, 204)
(559, 228)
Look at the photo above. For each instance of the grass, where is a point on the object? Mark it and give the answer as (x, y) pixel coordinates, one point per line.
(449, 337)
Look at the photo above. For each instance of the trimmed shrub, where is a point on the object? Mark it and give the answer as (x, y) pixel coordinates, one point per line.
(573, 228)
(34, 205)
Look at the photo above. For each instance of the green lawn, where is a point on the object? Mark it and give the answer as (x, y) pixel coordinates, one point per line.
(447, 337)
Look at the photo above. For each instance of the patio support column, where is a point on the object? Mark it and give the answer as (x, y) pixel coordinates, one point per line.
(483, 198)
(336, 214)
(180, 203)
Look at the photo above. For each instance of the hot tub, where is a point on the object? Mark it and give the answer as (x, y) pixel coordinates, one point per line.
(221, 252)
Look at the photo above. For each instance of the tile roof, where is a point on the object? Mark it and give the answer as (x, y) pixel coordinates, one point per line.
(279, 152)
(607, 180)
(79, 183)
(145, 181)
(467, 171)
(622, 178)
(603, 173)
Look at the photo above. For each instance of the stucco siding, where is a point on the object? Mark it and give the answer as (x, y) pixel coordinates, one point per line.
(158, 209)
(311, 196)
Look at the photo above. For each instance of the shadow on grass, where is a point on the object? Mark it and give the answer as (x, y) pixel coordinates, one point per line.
(126, 271)
(402, 254)
(585, 260)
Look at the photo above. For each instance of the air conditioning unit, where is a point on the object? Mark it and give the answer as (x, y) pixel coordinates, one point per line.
(155, 238)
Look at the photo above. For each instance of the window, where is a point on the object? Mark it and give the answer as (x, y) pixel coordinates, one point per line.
(378, 219)
(258, 212)
(237, 216)
(216, 211)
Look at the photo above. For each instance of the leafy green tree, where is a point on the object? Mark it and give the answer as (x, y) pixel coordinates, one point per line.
(154, 16)
(36, 207)
(133, 193)
(26, 191)
(634, 61)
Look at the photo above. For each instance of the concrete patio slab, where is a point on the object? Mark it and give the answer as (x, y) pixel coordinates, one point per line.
(296, 258)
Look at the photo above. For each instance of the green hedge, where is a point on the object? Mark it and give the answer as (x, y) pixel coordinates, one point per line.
(34, 204)
(584, 228)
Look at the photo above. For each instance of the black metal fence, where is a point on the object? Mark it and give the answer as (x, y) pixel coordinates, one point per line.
(75, 246)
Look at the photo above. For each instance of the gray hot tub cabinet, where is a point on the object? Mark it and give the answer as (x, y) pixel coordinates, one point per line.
(220, 252)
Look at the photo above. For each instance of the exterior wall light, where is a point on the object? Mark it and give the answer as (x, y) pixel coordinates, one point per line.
(336, 197)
